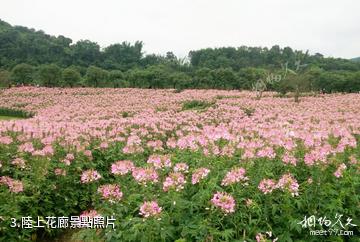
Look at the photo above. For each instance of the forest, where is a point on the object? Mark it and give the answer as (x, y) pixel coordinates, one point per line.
(32, 57)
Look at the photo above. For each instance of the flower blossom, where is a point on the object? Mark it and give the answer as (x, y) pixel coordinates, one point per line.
(181, 167)
(199, 174)
(339, 170)
(90, 176)
(267, 185)
(92, 213)
(60, 172)
(14, 186)
(122, 167)
(224, 201)
(150, 209)
(159, 161)
(145, 175)
(289, 159)
(289, 183)
(174, 181)
(110, 192)
(234, 176)
(19, 162)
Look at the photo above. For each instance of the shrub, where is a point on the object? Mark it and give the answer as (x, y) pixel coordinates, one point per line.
(196, 104)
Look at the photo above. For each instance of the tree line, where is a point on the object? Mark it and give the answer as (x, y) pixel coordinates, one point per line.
(30, 57)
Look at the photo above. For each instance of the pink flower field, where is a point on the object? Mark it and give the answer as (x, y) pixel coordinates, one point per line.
(196, 165)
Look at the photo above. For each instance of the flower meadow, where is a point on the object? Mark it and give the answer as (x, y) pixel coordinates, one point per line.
(237, 169)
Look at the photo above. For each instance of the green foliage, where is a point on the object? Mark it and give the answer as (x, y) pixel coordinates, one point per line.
(180, 80)
(196, 104)
(116, 78)
(203, 78)
(70, 77)
(223, 78)
(5, 80)
(22, 74)
(249, 111)
(85, 53)
(9, 112)
(96, 77)
(24, 50)
(49, 75)
(123, 56)
(248, 76)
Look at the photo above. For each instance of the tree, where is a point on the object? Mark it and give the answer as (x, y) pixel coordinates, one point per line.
(49, 75)
(22, 74)
(138, 78)
(151, 59)
(248, 76)
(158, 76)
(70, 77)
(354, 83)
(116, 78)
(203, 78)
(223, 78)
(123, 56)
(5, 80)
(179, 80)
(85, 53)
(96, 76)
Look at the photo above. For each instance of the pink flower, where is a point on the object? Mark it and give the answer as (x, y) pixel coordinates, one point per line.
(48, 150)
(353, 160)
(88, 153)
(27, 147)
(248, 154)
(309, 159)
(6, 140)
(110, 192)
(267, 185)
(181, 167)
(155, 144)
(339, 170)
(14, 186)
(289, 159)
(289, 183)
(199, 174)
(122, 167)
(174, 181)
(171, 143)
(234, 176)
(260, 238)
(224, 201)
(159, 161)
(70, 156)
(145, 175)
(104, 145)
(90, 176)
(66, 162)
(265, 238)
(19, 162)
(90, 214)
(267, 152)
(150, 209)
(59, 172)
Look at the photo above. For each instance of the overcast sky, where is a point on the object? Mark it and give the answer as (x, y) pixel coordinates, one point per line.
(330, 27)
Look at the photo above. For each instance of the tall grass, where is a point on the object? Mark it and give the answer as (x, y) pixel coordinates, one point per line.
(16, 113)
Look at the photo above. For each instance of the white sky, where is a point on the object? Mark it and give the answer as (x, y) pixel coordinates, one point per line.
(331, 27)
